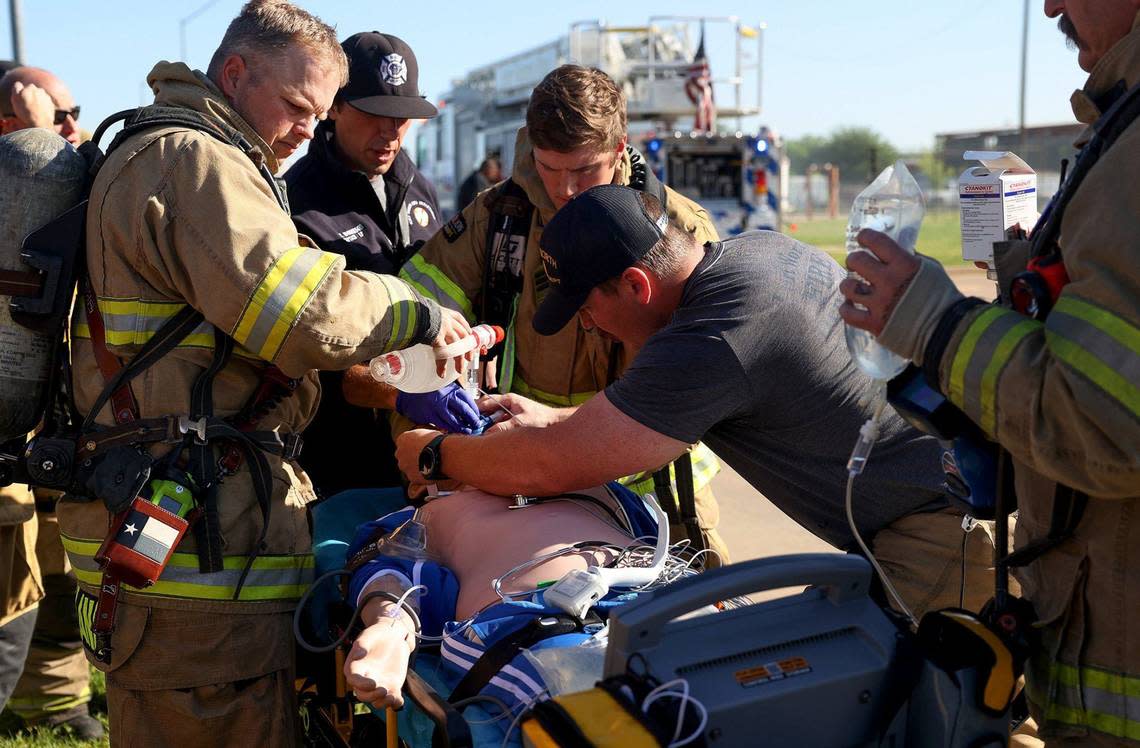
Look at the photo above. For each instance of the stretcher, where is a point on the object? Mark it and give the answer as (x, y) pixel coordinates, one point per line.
(828, 650)
(330, 716)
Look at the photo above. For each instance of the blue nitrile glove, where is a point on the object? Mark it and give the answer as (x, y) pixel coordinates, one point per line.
(449, 408)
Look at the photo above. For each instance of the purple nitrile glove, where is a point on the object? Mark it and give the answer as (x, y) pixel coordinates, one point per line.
(449, 408)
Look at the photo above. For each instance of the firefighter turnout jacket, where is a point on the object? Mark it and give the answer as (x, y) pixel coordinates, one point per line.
(178, 217)
(564, 369)
(1062, 396)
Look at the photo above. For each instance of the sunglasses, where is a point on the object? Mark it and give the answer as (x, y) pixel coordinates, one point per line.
(61, 115)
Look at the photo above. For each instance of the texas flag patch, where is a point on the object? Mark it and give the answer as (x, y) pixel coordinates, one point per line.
(148, 535)
(142, 544)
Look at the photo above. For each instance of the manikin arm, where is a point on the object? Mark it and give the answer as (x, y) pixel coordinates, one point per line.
(377, 664)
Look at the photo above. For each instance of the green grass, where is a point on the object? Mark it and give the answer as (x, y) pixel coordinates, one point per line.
(940, 237)
(11, 736)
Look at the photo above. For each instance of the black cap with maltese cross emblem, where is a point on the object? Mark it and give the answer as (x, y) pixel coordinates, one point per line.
(383, 77)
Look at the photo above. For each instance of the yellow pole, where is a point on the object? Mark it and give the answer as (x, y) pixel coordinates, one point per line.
(392, 727)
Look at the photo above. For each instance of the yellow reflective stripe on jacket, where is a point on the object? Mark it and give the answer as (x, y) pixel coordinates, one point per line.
(1105, 701)
(1103, 347)
(132, 322)
(405, 312)
(705, 468)
(506, 374)
(279, 299)
(270, 577)
(1098, 345)
(434, 284)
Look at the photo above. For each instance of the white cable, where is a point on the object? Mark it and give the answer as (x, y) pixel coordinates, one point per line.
(394, 612)
(633, 576)
(667, 690)
(868, 434)
(522, 712)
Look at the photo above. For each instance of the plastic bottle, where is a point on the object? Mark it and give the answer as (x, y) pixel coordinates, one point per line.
(892, 204)
(414, 369)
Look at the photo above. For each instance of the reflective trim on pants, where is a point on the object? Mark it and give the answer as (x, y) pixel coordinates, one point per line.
(1091, 697)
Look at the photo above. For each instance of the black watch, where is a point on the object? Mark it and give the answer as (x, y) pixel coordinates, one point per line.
(431, 459)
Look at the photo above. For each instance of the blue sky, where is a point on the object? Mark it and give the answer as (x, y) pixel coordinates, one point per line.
(908, 69)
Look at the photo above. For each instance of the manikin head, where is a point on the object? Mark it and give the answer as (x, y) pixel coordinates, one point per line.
(577, 124)
(279, 68)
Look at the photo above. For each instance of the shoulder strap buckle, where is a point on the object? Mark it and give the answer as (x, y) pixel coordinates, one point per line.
(186, 424)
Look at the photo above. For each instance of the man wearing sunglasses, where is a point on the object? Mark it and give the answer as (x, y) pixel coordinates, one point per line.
(33, 97)
(54, 689)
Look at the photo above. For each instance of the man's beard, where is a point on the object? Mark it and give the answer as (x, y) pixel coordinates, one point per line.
(1072, 40)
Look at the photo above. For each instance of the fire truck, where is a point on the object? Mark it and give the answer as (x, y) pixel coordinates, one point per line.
(732, 166)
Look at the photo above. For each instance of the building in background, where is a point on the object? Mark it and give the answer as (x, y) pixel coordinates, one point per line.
(733, 172)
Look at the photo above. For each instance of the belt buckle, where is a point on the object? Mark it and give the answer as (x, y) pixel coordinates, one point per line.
(186, 424)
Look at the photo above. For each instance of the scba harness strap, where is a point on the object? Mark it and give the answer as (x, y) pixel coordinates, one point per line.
(194, 433)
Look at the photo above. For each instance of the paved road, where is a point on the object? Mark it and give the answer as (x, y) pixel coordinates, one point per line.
(751, 526)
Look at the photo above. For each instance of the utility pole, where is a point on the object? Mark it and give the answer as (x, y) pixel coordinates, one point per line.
(182, 23)
(1024, 65)
(17, 33)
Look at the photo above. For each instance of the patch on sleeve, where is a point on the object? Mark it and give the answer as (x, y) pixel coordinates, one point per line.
(454, 228)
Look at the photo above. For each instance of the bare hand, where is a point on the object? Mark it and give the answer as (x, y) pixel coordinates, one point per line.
(377, 664)
(32, 105)
(518, 411)
(453, 327)
(408, 447)
(887, 274)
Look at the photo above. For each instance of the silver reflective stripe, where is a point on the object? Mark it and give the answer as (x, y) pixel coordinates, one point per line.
(274, 307)
(271, 578)
(1106, 354)
(432, 283)
(975, 380)
(405, 311)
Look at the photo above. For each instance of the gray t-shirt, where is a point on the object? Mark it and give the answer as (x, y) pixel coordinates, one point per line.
(754, 364)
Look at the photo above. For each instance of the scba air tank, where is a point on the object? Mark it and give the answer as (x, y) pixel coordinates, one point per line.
(41, 176)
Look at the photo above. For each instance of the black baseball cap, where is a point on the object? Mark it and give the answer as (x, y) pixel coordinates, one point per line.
(591, 239)
(383, 77)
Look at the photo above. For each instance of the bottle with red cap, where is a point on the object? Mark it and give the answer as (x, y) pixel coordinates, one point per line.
(414, 369)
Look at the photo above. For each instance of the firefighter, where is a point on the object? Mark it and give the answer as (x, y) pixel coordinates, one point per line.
(485, 263)
(1054, 380)
(358, 193)
(192, 256)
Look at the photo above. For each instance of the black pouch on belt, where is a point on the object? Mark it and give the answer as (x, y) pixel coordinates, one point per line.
(120, 476)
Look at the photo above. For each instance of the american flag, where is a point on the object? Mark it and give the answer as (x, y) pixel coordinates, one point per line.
(699, 89)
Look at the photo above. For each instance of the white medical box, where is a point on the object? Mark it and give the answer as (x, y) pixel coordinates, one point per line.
(993, 197)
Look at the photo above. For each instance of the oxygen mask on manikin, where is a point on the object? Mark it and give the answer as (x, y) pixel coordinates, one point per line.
(409, 540)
